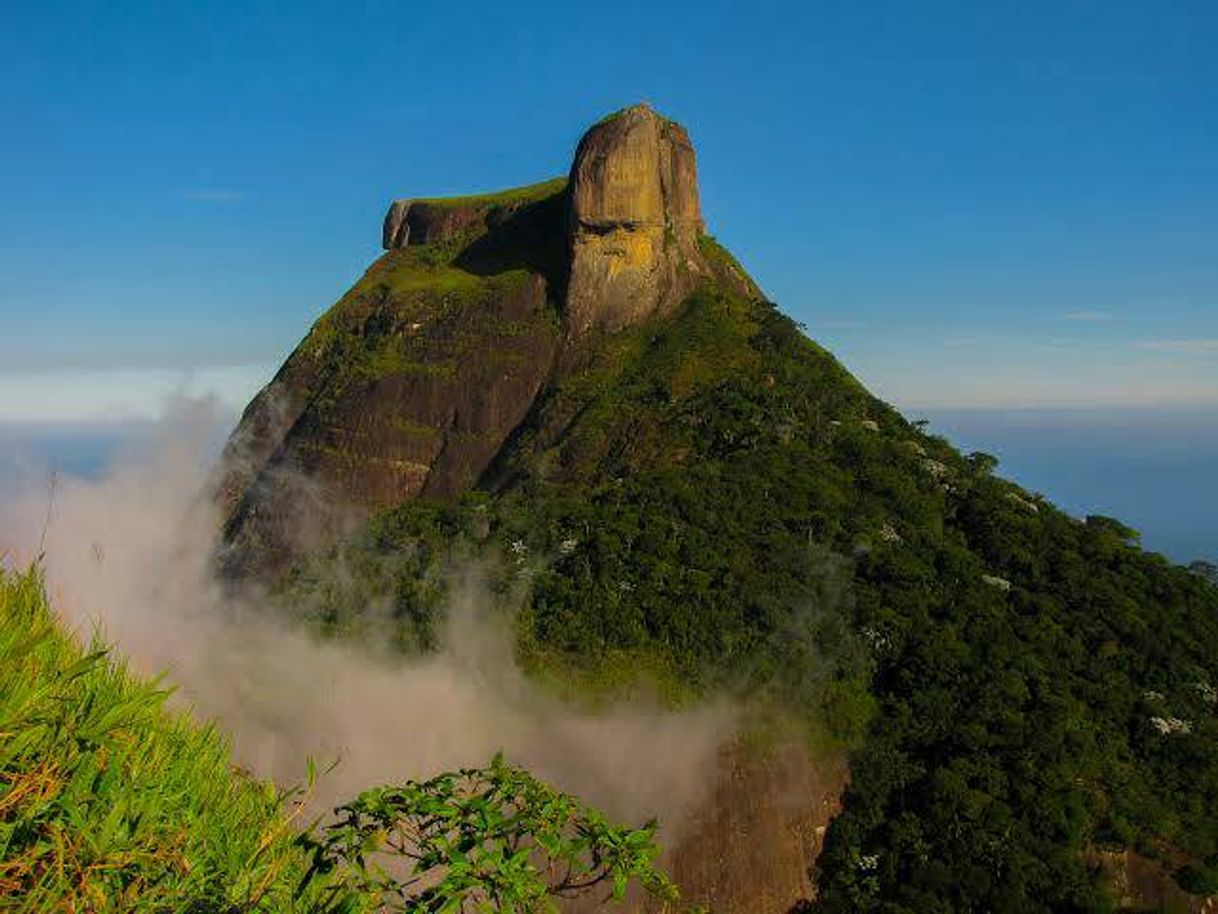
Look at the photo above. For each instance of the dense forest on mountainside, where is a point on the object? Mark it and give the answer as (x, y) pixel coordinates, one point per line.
(574, 386)
(711, 498)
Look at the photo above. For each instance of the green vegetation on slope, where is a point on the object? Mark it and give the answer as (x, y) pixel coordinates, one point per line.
(372, 332)
(524, 194)
(493, 839)
(111, 803)
(420, 311)
(1046, 691)
(713, 497)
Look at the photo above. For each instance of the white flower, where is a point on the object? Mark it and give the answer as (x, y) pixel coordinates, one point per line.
(995, 581)
(877, 640)
(1171, 725)
(1023, 502)
(935, 467)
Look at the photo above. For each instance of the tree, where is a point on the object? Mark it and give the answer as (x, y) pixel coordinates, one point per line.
(1112, 527)
(1205, 570)
(493, 839)
(982, 464)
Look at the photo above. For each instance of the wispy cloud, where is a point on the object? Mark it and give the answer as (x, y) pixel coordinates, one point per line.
(121, 394)
(1089, 316)
(1195, 346)
(212, 195)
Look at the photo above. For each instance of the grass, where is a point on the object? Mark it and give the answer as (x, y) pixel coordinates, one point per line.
(727, 268)
(387, 361)
(524, 194)
(110, 802)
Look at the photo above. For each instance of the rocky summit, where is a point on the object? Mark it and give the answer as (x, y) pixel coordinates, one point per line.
(635, 222)
(412, 383)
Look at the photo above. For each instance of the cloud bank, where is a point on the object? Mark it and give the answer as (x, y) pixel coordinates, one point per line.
(130, 552)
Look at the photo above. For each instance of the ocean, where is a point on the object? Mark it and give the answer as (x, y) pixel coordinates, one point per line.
(1154, 469)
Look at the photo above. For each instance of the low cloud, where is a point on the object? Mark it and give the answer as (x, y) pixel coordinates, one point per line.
(130, 551)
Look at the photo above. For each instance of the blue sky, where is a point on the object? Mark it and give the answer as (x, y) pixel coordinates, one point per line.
(995, 204)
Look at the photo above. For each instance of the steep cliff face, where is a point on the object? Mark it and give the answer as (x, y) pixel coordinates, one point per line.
(749, 850)
(635, 221)
(407, 386)
(440, 219)
(411, 384)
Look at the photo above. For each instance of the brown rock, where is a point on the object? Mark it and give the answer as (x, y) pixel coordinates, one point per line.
(635, 221)
(1142, 884)
(408, 386)
(413, 382)
(422, 221)
(750, 847)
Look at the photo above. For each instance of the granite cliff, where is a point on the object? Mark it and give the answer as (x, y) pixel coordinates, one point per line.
(635, 222)
(411, 384)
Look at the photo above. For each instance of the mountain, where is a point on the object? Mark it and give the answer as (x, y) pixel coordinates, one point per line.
(413, 382)
(1012, 708)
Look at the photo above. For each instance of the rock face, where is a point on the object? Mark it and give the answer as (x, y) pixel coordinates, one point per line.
(1142, 884)
(412, 383)
(419, 222)
(635, 221)
(427, 221)
(634, 225)
(408, 386)
(748, 850)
